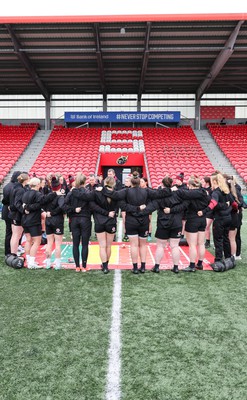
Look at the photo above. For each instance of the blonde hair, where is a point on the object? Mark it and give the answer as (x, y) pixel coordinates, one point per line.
(231, 184)
(109, 181)
(221, 182)
(80, 179)
(34, 182)
(195, 181)
(23, 177)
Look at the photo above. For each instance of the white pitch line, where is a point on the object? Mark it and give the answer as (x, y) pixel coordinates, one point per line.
(185, 255)
(119, 230)
(64, 249)
(113, 389)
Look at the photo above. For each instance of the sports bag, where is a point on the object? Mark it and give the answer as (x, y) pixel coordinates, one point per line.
(12, 260)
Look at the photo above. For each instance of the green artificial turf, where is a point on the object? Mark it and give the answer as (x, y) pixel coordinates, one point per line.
(53, 333)
(184, 337)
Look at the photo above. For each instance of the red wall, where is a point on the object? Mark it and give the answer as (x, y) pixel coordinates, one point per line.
(217, 112)
(134, 159)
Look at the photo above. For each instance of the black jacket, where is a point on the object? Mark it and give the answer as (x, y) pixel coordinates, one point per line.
(16, 209)
(102, 205)
(56, 207)
(198, 200)
(6, 195)
(177, 208)
(33, 201)
(79, 198)
(132, 198)
(220, 203)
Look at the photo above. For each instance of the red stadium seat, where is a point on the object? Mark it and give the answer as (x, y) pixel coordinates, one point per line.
(173, 151)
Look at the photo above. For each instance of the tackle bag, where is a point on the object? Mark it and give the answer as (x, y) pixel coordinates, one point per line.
(12, 260)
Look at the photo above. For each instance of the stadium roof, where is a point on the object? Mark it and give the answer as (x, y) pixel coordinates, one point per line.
(154, 54)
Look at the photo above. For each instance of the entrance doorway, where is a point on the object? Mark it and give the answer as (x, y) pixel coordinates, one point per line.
(122, 172)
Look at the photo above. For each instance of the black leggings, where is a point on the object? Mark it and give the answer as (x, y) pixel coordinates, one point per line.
(238, 236)
(81, 231)
(221, 229)
(8, 235)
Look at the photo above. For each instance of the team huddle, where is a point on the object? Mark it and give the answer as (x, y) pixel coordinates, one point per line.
(38, 207)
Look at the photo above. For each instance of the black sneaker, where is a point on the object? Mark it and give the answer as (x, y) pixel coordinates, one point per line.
(175, 270)
(105, 270)
(189, 269)
(155, 269)
(135, 270)
(142, 270)
(199, 267)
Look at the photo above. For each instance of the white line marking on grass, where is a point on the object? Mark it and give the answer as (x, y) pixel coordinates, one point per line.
(64, 249)
(185, 255)
(120, 230)
(113, 391)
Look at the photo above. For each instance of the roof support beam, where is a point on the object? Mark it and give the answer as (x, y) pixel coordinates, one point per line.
(219, 62)
(100, 60)
(144, 61)
(27, 64)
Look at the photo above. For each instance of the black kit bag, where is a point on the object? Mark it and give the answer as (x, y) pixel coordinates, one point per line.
(12, 260)
(229, 263)
(218, 266)
(222, 266)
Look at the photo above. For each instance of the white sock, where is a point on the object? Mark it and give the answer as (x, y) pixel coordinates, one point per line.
(48, 262)
(28, 257)
(31, 261)
(58, 262)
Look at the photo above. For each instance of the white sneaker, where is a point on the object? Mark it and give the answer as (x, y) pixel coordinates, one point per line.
(20, 251)
(238, 258)
(34, 266)
(47, 263)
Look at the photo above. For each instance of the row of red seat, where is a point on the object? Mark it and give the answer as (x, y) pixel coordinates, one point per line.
(232, 140)
(69, 150)
(13, 141)
(172, 151)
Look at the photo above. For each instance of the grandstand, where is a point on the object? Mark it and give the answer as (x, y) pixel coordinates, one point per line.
(158, 151)
(145, 68)
(118, 336)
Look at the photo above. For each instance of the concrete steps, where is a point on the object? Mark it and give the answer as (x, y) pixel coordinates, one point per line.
(216, 156)
(30, 154)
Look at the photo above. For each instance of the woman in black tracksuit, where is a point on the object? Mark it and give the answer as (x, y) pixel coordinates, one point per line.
(79, 213)
(5, 210)
(210, 213)
(54, 224)
(169, 225)
(16, 210)
(236, 205)
(134, 201)
(195, 225)
(221, 205)
(33, 201)
(105, 211)
(240, 218)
